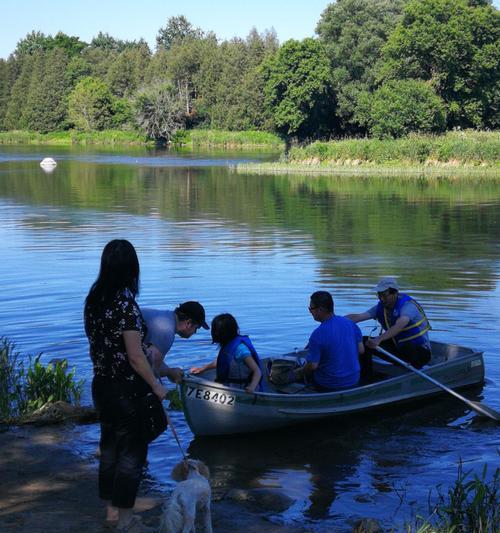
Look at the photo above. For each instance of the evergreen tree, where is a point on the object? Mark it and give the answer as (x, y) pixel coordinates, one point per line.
(33, 112)
(127, 72)
(100, 61)
(156, 71)
(232, 89)
(4, 91)
(177, 30)
(17, 104)
(51, 103)
(78, 68)
(184, 60)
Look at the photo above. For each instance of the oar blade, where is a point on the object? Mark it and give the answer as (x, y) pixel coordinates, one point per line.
(485, 410)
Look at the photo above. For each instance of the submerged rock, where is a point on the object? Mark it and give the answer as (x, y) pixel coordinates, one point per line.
(367, 525)
(268, 499)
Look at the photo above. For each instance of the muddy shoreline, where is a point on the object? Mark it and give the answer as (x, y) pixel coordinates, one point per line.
(46, 486)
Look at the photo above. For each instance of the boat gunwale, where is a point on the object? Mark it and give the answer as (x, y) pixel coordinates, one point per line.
(190, 378)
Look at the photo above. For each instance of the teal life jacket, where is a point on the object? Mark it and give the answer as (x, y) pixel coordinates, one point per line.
(226, 363)
(414, 331)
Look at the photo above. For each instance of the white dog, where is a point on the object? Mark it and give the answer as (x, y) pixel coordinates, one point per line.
(190, 501)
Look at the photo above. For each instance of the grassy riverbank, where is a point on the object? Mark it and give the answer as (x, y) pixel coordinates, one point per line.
(189, 138)
(68, 138)
(462, 152)
(231, 139)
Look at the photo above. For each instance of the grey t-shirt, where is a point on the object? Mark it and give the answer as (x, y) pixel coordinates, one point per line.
(410, 310)
(161, 328)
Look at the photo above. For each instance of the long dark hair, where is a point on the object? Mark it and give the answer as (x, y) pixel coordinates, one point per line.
(119, 270)
(224, 329)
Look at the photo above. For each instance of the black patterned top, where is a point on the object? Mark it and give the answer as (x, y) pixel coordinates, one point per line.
(105, 334)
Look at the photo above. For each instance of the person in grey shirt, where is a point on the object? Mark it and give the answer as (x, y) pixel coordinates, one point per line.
(184, 321)
(403, 322)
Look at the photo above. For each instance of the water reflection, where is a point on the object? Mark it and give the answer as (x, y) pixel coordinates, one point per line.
(257, 246)
(320, 456)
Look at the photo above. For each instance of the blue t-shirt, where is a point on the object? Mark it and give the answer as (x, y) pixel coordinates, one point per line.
(334, 346)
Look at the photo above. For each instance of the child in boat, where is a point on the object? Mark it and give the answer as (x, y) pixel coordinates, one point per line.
(237, 363)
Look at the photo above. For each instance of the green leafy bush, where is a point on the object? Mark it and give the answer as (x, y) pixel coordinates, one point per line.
(25, 389)
(400, 107)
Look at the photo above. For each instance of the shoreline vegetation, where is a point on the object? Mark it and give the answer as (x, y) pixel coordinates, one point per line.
(184, 138)
(454, 153)
(457, 153)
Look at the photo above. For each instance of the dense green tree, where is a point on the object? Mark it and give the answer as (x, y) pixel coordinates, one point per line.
(455, 45)
(104, 41)
(400, 107)
(70, 44)
(184, 60)
(32, 115)
(35, 40)
(47, 97)
(156, 71)
(159, 111)
(298, 89)
(176, 30)
(353, 32)
(78, 68)
(127, 72)
(4, 90)
(99, 60)
(17, 104)
(230, 84)
(91, 105)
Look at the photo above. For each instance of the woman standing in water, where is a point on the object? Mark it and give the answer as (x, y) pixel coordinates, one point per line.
(116, 330)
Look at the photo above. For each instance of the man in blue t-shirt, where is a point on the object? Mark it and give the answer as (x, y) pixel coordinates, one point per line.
(332, 361)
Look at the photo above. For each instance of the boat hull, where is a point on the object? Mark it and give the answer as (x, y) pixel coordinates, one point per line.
(215, 409)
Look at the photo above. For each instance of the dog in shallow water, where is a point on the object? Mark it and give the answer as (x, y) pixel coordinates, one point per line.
(189, 504)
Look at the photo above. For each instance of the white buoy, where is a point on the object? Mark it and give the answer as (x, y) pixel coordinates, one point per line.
(48, 162)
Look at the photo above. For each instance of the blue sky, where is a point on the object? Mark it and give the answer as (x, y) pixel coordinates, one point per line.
(133, 19)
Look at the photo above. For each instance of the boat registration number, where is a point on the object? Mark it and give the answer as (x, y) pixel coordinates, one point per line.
(210, 396)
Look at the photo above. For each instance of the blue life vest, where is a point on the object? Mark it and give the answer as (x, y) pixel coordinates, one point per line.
(414, 331)
(226, 358)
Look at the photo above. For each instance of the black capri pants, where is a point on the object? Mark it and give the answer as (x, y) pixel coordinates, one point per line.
(122, 450)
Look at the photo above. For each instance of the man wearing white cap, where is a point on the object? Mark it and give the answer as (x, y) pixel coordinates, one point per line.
(403, 321)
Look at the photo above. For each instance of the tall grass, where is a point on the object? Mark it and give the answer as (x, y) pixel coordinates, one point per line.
(26, 387)
(233, 139)
(66, 138)
(469, 506)
(454, 148)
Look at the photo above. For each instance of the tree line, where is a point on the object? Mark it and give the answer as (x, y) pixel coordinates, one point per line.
(376, 67)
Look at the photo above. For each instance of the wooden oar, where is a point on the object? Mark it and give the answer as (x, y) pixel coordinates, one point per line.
(481, 409)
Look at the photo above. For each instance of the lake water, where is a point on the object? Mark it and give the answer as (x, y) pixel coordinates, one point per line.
(257, 246)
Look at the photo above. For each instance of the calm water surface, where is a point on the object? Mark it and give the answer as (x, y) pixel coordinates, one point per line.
(257, 246)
